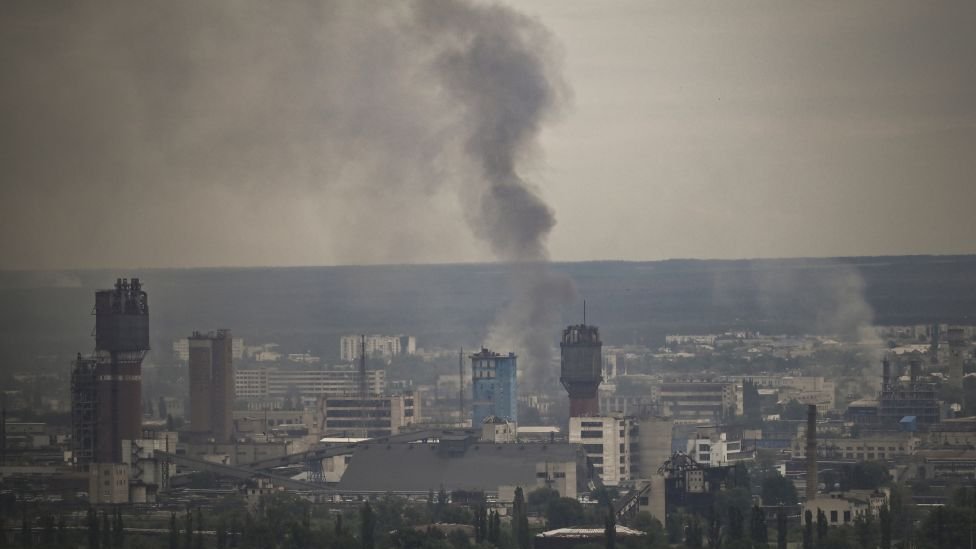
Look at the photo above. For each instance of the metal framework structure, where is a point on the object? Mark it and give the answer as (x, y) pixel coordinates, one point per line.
(84, 411)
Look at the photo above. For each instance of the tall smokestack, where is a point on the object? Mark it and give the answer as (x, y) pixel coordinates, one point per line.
(811, 452)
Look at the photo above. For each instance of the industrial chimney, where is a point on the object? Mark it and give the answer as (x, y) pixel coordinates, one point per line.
(811, 452)
(581, 368)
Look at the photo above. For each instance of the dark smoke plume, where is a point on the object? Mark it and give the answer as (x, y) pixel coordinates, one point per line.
(192, 133)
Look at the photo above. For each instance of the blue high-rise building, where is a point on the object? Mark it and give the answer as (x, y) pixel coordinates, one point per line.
(494, 386)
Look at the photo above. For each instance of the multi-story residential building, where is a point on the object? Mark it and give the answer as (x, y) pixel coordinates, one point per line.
(494, 386)
(377, 346)
(181, 348)
(268, 383)
(609, 442)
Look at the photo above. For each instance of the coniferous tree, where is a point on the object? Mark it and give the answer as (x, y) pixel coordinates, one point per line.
(782, 529)
(174, 532)
(522, 539)
(338, 525)
(62, 532)
(118, 530)
(367, 527)
(822, 526)
(3, 532)
(693, 533)
(198, 539)
(93, 537)
(47, 530)
(188, 534)
(26, 536)
(808, 530)
(757, 526)
(737, 530)
(885, 520)
(610, 527)
(106, 532)
(221, 535)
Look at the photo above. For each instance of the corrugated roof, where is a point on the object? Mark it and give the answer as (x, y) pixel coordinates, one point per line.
(406, 467)
(588, 532)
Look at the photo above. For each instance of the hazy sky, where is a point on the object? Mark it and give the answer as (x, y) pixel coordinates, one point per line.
(245, 133)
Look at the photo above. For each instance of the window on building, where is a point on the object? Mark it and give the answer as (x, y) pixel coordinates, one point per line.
(847, 517)
(591, 434)
(559, 474)
(833, 517)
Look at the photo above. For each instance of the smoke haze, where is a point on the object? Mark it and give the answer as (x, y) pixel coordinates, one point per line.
(372, 130)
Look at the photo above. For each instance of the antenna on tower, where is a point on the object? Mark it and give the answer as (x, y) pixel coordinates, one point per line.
(362, 367)
(584, 312)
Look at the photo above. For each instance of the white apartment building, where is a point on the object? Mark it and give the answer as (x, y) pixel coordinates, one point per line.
(376, 346)
(279, 383)
(607, 442)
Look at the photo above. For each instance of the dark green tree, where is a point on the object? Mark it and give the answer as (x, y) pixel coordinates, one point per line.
(884, 518)
(866, 531)
(221, 534)
(3, 532)
(694, 534)
(757, 526)
(48, 525)
(867, 475)
(736, 524)
(778, 490)
(715, 530)
(174, 532)
(367, 527)
(118, 530)
(782, 529)
(106, 532)
(26, 536)
(610, 528)
(520, 521)
(198, 539)
(563, 513)
(822, 527)
(808, 529)
(93, 534)
(188, 533)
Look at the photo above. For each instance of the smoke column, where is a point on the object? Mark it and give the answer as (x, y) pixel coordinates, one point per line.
(337, 132)
(499, 67)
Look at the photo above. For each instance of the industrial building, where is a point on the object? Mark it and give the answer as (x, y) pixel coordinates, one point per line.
(463, 463)
(211, 384)
(106, 397)
(956, 338)
(900, 404)
(713, 401)
(275, 383)
(494, 386)
(609, 443)
(375, 416)
(713, 447)
(581, 368)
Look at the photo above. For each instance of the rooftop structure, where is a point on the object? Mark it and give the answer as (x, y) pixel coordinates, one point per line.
(464, 464)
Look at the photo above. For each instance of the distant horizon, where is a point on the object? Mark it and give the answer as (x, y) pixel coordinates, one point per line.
(495, 263)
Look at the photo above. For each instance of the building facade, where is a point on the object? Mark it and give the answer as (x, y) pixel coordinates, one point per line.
(267, 383)
(377, 346)
(494, 386)
(610, 444)
(377, 416)
(212, 384)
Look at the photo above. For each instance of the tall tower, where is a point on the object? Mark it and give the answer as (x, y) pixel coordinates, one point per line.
(957, 346)
(494, 387)
(581, 368)
(121, 342)
(212, 384)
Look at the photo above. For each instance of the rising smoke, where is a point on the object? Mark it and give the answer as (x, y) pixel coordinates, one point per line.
(365, 132)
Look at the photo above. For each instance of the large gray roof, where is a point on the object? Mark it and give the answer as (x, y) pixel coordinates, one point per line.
(416, 467)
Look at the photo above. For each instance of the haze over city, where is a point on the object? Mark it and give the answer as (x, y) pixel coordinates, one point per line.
(473, 274)
(316, 134)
